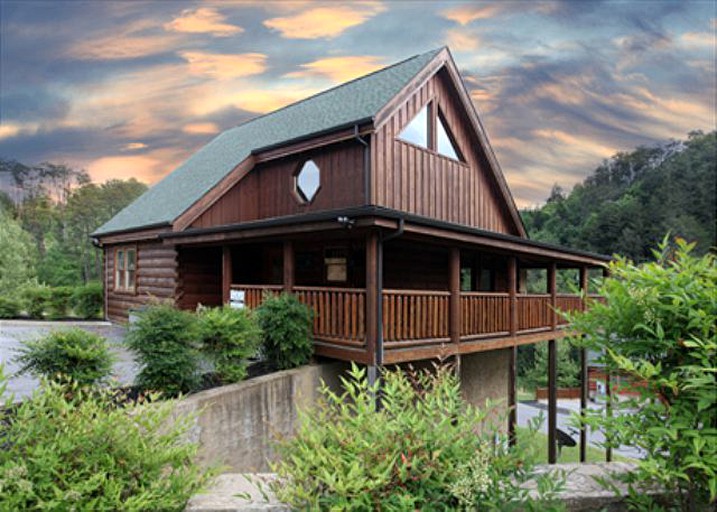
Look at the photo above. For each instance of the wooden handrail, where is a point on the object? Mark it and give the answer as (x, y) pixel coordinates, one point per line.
(425, 293)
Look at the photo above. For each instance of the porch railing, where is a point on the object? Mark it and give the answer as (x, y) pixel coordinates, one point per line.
(413, 317)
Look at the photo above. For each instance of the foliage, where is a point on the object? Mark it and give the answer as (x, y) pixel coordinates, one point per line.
(16, 256)
(9, 307)
(286, 324)
(36, 299)
(164, 341)
(423, 449)
(659, 326)
(87, 300)
(630, 201)
(58, 303)
(229, 337)
(73, 353)
(74, 449)
(568, 366)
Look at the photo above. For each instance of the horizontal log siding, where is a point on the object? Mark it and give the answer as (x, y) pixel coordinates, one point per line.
(268, 190)
(156, 279)
(408, 178)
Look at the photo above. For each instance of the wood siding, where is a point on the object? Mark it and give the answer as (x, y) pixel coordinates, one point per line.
(420, 181)
(156, 278)
(268, 190)
(199, 277)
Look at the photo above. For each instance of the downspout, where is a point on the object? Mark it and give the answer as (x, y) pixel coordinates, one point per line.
(366, 174)
(379, 327)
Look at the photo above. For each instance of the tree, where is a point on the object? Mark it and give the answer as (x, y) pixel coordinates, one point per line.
(659, 326)
(16, 256)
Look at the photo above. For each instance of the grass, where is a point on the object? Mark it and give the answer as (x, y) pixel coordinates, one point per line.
(525, 395)
(539, 445)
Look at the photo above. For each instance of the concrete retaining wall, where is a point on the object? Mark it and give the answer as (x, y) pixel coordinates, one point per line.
(484, 375)
(235, 425)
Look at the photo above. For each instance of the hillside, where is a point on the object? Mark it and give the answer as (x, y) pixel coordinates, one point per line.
(628, 204)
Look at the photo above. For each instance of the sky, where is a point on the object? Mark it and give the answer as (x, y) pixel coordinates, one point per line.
(131, 88)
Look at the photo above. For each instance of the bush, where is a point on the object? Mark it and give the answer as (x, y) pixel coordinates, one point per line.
(58, 302)
(286, 325)
(88, 300)
(37, 298)
(9, 307)
(75, 450)
(424, 449)
(229, 336)
(73, 353)
(164, 340)
(659, 326)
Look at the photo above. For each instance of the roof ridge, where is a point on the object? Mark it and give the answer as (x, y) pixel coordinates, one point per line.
(337, 86)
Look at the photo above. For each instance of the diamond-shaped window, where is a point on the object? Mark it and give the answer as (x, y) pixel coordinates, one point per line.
(308, 181)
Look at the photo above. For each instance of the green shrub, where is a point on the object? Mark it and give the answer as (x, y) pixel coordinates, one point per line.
(9, 307)
(76, 450)
(659, 326)
(88, 300)
(164, 340)
(424, 449)
(73, 353)
(286, 325)
(37, 298)
(58, 303)
(229, 336)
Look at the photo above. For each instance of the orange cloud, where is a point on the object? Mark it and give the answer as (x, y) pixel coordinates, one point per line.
(576, 143)
(132, 146)
(324, 21)
(148, 168)
(252, 100)
(461, 40)
(204, 20)
(224, 66)
(200, 128)
(465, 14)
(339, 69)
(8, 131)
(129, 42)
(698, 39)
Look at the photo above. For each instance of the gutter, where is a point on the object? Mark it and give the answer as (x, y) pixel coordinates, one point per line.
(366, 169)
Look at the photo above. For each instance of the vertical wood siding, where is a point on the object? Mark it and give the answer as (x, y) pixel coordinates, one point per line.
(156, 278)
(267, 191)
(199, 277)
(408, 178)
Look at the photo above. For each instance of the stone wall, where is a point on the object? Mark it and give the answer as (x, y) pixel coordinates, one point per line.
(235, 425)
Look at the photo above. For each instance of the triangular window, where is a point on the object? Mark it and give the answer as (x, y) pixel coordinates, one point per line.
(444, 140)
(416, 132)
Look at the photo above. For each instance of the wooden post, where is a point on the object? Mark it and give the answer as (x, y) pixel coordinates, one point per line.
(552, 402)
(608, 390)
(226, 273)
(455, 300)
(288, 266)
(552, 290)
(372, 299)
(513, 362)
(584, 382)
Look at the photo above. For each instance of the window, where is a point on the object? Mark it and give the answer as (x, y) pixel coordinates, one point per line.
(307, 181)
(335, 261)
(444, 140)
(125, 269)
(416, 132)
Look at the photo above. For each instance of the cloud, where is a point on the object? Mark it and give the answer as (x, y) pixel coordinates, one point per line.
(224, 66)
(200, 128)
(698, 39)
(339, 69)
(130, 42)
(460, 40)
(204, 20)
(11, 130)
(133, 146)
(257, 101)
(325, 21)
(465, 14)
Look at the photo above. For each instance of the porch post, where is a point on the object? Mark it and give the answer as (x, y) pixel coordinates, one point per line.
(584, 383)
(373, 303)
(455, 302)
(288, 266)
(226, 273)
(513, 361)
(552, 373)
(608, 388)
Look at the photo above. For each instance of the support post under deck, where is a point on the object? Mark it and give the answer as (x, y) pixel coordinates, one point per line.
(584, 384)
(513, 360)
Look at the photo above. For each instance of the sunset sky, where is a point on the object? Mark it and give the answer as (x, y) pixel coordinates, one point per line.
(131, 88)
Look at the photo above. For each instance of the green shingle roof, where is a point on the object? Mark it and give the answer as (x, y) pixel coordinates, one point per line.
(353, 101)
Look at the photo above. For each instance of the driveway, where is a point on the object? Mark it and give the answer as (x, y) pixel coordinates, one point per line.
(14, 332)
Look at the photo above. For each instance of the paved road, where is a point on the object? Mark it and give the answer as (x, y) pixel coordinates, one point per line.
(14, 332)
(529, 410)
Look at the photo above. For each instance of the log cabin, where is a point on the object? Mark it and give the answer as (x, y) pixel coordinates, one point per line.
(379, 203)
